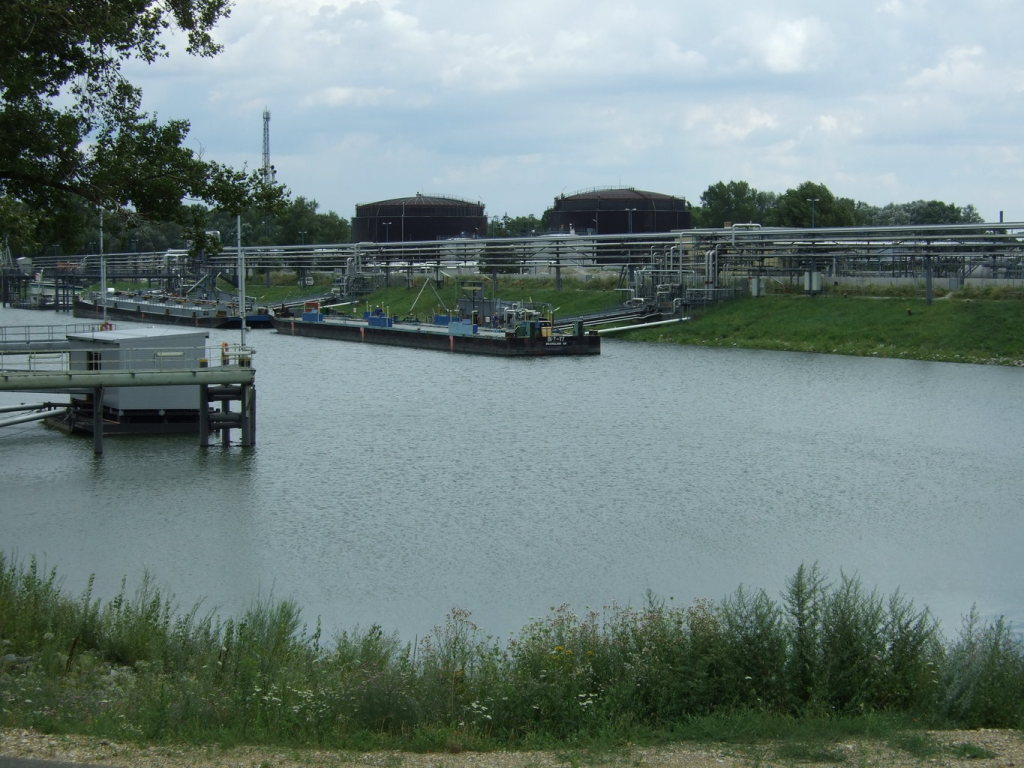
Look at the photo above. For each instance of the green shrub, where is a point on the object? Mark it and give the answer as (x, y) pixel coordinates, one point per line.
(825, 657)
(984, 676)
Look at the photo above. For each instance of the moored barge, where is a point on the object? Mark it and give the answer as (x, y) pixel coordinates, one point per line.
(150, 307)
(522, 338)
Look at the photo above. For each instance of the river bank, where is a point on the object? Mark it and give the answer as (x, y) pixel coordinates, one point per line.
(956, 330)
(967, 326)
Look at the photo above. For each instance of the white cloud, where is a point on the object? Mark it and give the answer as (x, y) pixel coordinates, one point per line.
(518, 101)
(341, 96)
(779, 45)
(726, 126)
(960, 68)
(835, 126)
(901, 8)
(792, 46)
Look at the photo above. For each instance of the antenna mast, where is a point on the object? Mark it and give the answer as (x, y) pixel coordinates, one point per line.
(269, 174)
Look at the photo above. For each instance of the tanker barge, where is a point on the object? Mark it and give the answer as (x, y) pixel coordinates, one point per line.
(516, 337)
(167, 309)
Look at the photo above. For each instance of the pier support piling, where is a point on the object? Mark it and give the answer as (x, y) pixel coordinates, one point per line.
(97, 420)
(224, 420)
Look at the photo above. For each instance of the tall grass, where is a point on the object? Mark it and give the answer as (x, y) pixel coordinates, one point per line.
(951, 330)
(750, 664)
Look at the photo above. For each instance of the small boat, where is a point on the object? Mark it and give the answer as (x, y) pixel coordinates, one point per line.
(165, 308)
(519, 335)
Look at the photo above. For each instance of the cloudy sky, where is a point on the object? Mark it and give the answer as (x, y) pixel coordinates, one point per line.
(513, 103)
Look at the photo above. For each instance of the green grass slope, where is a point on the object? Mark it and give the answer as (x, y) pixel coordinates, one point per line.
(952, 330)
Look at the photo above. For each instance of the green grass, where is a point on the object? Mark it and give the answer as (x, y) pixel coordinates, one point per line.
(830, 662)
(971, 752)
(951, 330)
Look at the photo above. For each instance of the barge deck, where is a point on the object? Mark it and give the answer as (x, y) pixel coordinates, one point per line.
(525, 338)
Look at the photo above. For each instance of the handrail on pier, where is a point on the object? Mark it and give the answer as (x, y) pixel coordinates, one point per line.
(76, 370)
(17, 334)
(136, 359)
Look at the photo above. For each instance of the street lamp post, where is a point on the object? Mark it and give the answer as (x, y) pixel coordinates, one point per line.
(813, 201)
(814, 267)
(387, 231)
(631, 211)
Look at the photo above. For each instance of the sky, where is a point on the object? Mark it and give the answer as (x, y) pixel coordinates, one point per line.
(515, 103)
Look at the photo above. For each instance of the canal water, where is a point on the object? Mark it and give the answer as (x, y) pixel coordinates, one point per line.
(391, 485)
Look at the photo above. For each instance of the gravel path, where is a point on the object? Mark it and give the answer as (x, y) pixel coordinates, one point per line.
(1007, 745)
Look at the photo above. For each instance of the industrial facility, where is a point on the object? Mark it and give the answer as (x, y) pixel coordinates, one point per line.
(417, 218)
(619, 211)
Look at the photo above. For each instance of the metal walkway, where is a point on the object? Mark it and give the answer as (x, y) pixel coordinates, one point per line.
(37, 359)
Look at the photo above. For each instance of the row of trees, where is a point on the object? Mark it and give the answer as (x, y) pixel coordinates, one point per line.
(75, 228)
(814, 205)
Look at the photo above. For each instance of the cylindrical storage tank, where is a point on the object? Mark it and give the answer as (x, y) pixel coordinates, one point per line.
(619, 211)
(420, 217)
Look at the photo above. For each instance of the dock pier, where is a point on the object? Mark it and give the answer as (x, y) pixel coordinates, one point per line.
(191, 389)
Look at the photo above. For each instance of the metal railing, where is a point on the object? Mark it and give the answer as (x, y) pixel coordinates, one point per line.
(133, 359)
(13, 334)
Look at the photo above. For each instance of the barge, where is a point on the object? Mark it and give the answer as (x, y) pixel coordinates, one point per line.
(164, 308)
(517, 336)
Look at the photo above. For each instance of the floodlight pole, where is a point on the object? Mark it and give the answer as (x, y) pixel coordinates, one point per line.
(242, 310)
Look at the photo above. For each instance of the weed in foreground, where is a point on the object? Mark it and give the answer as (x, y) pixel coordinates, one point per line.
(810, 753)
(971, 752)
(744, 670)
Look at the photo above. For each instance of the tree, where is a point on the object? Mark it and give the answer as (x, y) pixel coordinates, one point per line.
(920, 212)
(71, 124)
(300, 223)
(813, 205)
(296, 222)
(734, 202)
(514, 226)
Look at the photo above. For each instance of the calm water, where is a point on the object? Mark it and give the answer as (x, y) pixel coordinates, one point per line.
(390, 485)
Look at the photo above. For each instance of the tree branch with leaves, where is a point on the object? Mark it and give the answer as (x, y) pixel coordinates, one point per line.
(71, 124)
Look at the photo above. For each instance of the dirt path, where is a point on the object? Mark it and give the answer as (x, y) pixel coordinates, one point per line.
(1007, 748)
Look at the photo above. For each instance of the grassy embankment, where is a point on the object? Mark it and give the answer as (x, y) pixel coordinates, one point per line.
(828, 661)
(970, 325)
(951, 329)
(967, 327)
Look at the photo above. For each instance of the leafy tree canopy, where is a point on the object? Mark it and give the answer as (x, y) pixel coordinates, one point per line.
(814, 205)
(920, 212)
(734, 202)
(71, 125)
(515, 226)
(296, 223)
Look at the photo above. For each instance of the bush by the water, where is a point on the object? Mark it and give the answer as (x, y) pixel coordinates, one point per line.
(135, 667)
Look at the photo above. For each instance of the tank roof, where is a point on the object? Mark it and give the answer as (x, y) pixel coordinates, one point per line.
(617, 193)
(425, 200)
